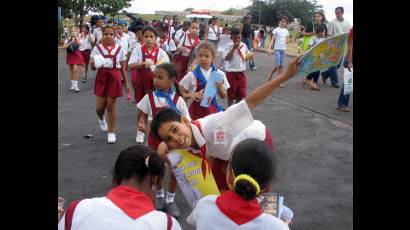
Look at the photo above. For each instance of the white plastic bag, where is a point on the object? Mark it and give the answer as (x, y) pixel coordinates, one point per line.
(348, 81)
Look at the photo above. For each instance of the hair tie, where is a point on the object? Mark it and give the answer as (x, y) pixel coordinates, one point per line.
(250, 180)
(146, 161)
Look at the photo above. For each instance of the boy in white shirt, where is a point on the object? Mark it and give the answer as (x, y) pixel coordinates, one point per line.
(122, 38)
(280, 38)
(235, 67)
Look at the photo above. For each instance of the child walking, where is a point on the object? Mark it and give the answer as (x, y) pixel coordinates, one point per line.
(194, 82)
(235, 67)
(74, 56)
(144, 59)
(85, 48)
(280, 39)
(162, 97)
(108, 85)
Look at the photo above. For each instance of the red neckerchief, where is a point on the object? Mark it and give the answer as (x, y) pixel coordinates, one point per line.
(151, 54)
(238, 209)
(196, 41)
(240, 53)
(204, 162)
(108, 49)
(131, 201)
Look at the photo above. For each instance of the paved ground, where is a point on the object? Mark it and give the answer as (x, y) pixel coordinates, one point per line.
(315, 147)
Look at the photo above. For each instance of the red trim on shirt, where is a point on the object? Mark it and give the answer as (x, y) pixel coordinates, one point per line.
(131, 201)
(238, 209)
(204, 162)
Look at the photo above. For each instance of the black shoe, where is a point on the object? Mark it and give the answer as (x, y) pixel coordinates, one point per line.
(160, 203)
(336, 85)
(172, 209)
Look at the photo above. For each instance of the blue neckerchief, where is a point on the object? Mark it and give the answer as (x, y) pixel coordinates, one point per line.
(202, 80)
(167, 96)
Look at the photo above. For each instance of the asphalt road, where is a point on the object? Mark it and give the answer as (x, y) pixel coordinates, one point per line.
(314, 143)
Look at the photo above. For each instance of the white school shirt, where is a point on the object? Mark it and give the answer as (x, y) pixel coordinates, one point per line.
(178, 35)
(145, 106)
(212, 32)
(97, 33)
(236, 122)
(206, 215)
(123, 41)
(101, 214)
(338, 27)
(131, 34)
(136, 56)
(185, 41)
(280, 38)
(169, 45)
(108, 62)
(189, 80)
(236, 64)
(133, 44)
(86, 43)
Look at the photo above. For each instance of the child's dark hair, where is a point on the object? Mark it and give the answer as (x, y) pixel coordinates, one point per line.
(132, 162)
(166, 115)
(86, 27)
(283, 17)
(169, 68)
(150, 28)
(108, 27)
(341, 9)
(256, 159)
(320, 28)
(209, 46)
(235, 31)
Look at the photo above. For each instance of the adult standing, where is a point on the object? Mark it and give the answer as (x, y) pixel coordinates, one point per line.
(338, 26)
(213, 31)
(246, 31)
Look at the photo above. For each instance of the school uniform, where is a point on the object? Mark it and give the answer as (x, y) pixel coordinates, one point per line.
(167, 44)
(181, 59)
(192, 83)
(178, 35)
(235, 71)
(123, 208)
(153, 102)
(108, 79)
(218, 133)
(85, 48)
(134, 72)
(145, 76)
(76, 57)
(97, 33)
(123, 41)
(231, 211)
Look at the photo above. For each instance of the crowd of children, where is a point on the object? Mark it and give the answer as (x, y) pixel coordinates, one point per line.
(170, 68)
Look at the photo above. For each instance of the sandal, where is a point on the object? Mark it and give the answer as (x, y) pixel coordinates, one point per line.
(313, 86)
(343, 109)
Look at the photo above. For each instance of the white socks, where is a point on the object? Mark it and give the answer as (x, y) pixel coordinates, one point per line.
(74, 83)
(160, 193)
(170, 197)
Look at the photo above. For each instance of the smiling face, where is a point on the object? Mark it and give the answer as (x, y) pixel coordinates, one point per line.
(176, 134)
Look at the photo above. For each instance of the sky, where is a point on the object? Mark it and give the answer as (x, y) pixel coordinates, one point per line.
(149, 7)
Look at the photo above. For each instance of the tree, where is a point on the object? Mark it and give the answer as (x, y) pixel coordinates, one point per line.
(188, 9)
(111, 6)
(271, 10)
(231, 11)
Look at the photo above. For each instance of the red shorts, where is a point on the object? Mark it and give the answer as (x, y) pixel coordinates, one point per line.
(86, 56)
(75, 58)
(219, 166)
(108, 83)
(237, 82)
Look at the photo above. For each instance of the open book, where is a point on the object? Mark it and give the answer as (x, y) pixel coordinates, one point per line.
(324, 54)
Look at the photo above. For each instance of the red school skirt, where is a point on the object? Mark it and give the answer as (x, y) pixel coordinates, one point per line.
(237, 82)
(219, 166)
(144, 83)
(86, 56)
(75, 58)
(134, 82)
(181, 64)
(108, 83)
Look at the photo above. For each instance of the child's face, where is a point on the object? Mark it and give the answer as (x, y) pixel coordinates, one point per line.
(194, 29)
(282, 23)
(100, 23)
(119, 30)
(205, 57)
(161, 80)
(108, 36)
(236, 39)
(149, 38)
(175, 134)
(83, 29)
(138, 35)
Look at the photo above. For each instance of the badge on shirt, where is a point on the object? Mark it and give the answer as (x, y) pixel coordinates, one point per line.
(219, 135)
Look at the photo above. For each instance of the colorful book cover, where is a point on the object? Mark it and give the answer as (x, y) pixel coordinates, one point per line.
(188, 173)
(271, 203)
(324, 54)
(210, 89)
